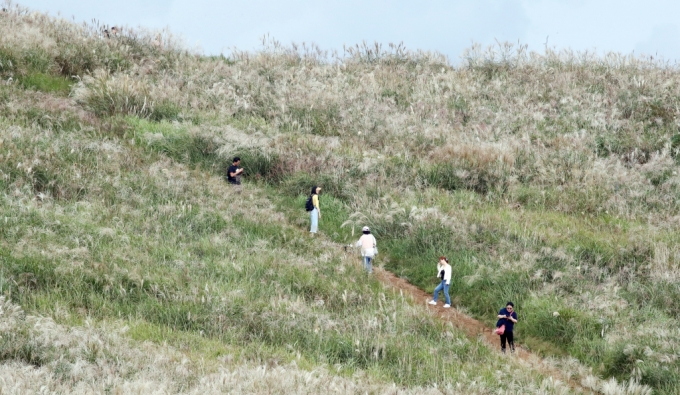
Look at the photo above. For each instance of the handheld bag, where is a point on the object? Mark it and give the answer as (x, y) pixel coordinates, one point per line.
(500, 330)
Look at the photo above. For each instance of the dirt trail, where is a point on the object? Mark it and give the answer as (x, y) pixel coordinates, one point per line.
(475, 329)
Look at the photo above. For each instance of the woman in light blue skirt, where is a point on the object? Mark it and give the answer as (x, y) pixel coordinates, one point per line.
(315, 214)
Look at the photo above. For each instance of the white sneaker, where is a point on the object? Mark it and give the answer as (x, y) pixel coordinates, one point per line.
(432, 302)
(446, 306)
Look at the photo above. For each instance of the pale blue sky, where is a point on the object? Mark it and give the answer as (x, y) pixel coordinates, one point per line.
(650, 27)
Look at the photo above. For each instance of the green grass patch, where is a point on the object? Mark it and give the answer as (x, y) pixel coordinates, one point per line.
(176, 142)
(8, 61)
(482, 288)
(318, 121)
(334, 212)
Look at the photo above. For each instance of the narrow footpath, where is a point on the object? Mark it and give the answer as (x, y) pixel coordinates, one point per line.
(476, 329)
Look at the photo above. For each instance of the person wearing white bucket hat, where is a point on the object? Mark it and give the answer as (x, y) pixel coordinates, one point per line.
(369, 248)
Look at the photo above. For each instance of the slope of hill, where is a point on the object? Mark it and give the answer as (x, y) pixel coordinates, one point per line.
(127, 264)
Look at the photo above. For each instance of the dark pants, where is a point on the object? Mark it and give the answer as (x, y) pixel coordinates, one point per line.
(510, 339)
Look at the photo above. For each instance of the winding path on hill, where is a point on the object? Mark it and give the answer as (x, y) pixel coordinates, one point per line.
(475, 329)
(472, 327)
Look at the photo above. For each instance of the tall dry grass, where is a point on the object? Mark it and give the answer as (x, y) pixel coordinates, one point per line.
(555, 170)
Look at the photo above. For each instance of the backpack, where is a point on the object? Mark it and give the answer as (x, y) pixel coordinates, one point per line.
(309, 206)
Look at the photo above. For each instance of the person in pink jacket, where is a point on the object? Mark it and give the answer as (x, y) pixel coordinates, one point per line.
(369, 248)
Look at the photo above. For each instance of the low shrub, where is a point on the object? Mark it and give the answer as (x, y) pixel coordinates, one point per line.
(567, 328)
(108, 95)
(301, 184)
(317, 121)
(621, 360)
(663, 296)
(260, 165)
(675, 145)
(165, 110)
(453, 177)
(8, 61)
(46, 83)
(446, 176)
(399, 95)
(18, 345)
(36, 60)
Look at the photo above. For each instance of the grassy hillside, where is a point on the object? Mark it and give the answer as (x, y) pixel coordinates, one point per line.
(127, 264)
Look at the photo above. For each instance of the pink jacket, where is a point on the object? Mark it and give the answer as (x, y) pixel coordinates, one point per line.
(367, 244)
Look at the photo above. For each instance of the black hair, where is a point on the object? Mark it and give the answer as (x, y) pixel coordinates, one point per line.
(367, 232)
(236, 159)
(510, 304)
(313, 190)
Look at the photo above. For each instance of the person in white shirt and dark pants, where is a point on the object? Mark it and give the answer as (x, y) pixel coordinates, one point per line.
(444, 273)
(368, 248)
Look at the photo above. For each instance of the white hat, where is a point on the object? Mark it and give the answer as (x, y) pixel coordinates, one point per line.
(365, 229)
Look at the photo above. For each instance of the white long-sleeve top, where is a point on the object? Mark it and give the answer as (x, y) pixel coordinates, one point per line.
(447, 272)
(367, 244)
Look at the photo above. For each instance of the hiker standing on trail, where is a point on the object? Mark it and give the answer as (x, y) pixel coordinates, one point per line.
(369, 248)
(234, 173)
(444, 273)
(314, 211)
(507, 317)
